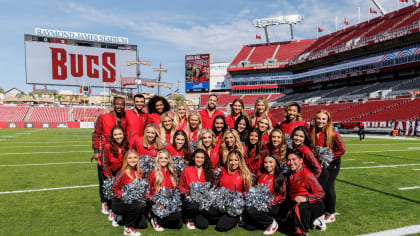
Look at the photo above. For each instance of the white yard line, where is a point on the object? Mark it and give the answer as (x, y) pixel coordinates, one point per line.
(57, 142)
(381, 166)
(416, 169)
(28, 153)
(45, 164)
(379, 144)
(369, 162)
(385, 151)
(49, 189)
(64, 145)
(409, 188)
(348, 159)
(413, 229)
(414, 148)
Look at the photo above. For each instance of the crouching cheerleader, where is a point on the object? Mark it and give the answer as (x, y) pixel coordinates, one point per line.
(132, 213)
(272, 177)
(200, 170)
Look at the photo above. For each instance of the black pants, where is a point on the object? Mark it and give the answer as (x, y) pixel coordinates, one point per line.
(190, 210)
(206, 218)
(101, 178)
(330, 197)
(226, 222)
(323, 178)
(259, 219)
(172, 221)
(133, 214)
(305, 213)
(361, 134)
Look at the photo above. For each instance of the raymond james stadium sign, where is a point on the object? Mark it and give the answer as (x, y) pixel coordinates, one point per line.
(80, 36)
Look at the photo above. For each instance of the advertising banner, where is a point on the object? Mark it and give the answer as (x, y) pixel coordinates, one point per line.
(219, 76)
(197, 73)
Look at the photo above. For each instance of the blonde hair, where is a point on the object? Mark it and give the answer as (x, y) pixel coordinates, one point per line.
(158, 171)
(270, 125)
(177, 118)
(125, 167)
(200, 144)
(243, 168)
(200, 125)
(329, 130)
(162, 129)
(265, 112)
(237, 146)
(283, 145)
(293, 104)
(158, 140)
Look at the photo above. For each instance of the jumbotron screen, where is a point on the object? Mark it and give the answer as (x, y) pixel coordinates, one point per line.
(197, 73)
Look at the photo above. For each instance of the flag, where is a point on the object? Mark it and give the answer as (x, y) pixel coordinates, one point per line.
(320, 30)
(257, 36)
(372, 11)
(345, 21)
(403, 0)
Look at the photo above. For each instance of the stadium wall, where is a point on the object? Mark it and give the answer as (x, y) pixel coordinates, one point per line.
(45, 125)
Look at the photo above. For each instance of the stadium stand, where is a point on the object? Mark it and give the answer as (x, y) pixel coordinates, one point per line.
(13, 113)
(86, 114)
(49, 114)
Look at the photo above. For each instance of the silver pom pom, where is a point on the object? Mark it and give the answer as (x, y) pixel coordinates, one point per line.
(326, 155)
(259, 197)
(106, 188)
(289, 141)
(166, 202)
(230, 202)
(179, 164)
(135, 191)
(146, 163)
(203, 194)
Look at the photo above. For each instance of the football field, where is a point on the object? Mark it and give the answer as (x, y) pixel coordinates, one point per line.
(49, 187)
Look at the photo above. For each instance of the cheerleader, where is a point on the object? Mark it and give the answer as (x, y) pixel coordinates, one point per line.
(112, 157)
(324, 135)
(181, 116)
(265, 127)
(180, 146)
(150, 144)
(306, 194)
(156, 107)
(237, 109)
(194, 127)
(235, 176)
(164, 175)
(255, 151)
(243, 127)
(230, 142)
(219, 127)
(207, 142)
(292, 118)
(167, 127)
(200, 170)
(271, 176)
(261, 108)
(133, 214)
(278, 146)
(303, 142)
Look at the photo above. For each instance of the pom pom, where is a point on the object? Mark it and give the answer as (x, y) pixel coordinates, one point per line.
(217, 172)
(146, 163)
(166, 202)
(326, 155)
(179, 164)
(106, 188)
(230, 202)
(193, 145)
(135, 191)
(289, 141)
(259, 197)
(203, 194)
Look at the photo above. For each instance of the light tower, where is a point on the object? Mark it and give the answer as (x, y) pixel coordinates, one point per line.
(279, 20)
(160, 70)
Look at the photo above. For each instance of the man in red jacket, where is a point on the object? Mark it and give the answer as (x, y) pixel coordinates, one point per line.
(208, 114)
(136, 119)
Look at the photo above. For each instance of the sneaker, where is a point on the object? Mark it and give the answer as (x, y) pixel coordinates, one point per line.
(190, 225)
(111, 216)
(155, 225)
(319, 223)
(115, 223)
(271, 229)
(329, 218)
(104, 209)
(131, 231)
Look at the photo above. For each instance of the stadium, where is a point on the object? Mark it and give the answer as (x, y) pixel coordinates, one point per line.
(365, 73)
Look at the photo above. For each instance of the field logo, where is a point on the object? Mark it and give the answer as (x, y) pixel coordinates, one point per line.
(45, 125)
(29, 124)
(61, 125)
(12, 125)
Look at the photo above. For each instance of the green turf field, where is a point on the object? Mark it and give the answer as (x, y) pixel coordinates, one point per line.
(368, 199)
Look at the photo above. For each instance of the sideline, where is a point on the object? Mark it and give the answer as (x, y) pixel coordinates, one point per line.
(381, 166)
(413, 138)
(26, 153)
(409, 188)
(413, 229)
(50, 189)
(45, 164)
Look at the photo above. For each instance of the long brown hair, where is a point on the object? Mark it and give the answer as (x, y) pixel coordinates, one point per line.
(243, 112)
(283, 145)
(329, 130)
(243, 168)
(278, 180)
(266, 110)
(237, 146)
(207, 166)
(162, 128)
(114, 146)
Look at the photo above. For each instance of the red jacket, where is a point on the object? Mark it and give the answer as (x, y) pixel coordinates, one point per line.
(219, 139)
(230, 121)
(121, 180)
(172, 150)
(254, 165)
(339, 147)
(267, 179)
(153, 118)
(273, 121)
(310, 161)
(193, 137)
(207, 120)
(288, 127)
(135, 125)
(188, 176)
(110, 163)
(265, 139)
(182, 125)
(304, 183)
(214, 157)
(142, 151)
(166, 182)
(231, 181)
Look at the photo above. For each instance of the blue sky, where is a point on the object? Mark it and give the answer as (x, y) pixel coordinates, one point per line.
(165, 31)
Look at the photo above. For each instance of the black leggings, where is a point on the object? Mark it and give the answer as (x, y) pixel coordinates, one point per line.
(330, 197)
(305, 213)
(323, 178)
(133, 214)
(202, 219)
(101, 178)
(226, 222)
(172, 221)
(260, 219)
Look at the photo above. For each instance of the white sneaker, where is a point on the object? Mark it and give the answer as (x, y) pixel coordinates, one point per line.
(104, 209)
(115, 223)
(155, 225)
(329, 218)
(111, 216)
(190, 225)
(320, 224)
(131, 231)
(271, 229)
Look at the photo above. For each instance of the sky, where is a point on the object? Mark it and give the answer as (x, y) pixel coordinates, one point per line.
(166, 31)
